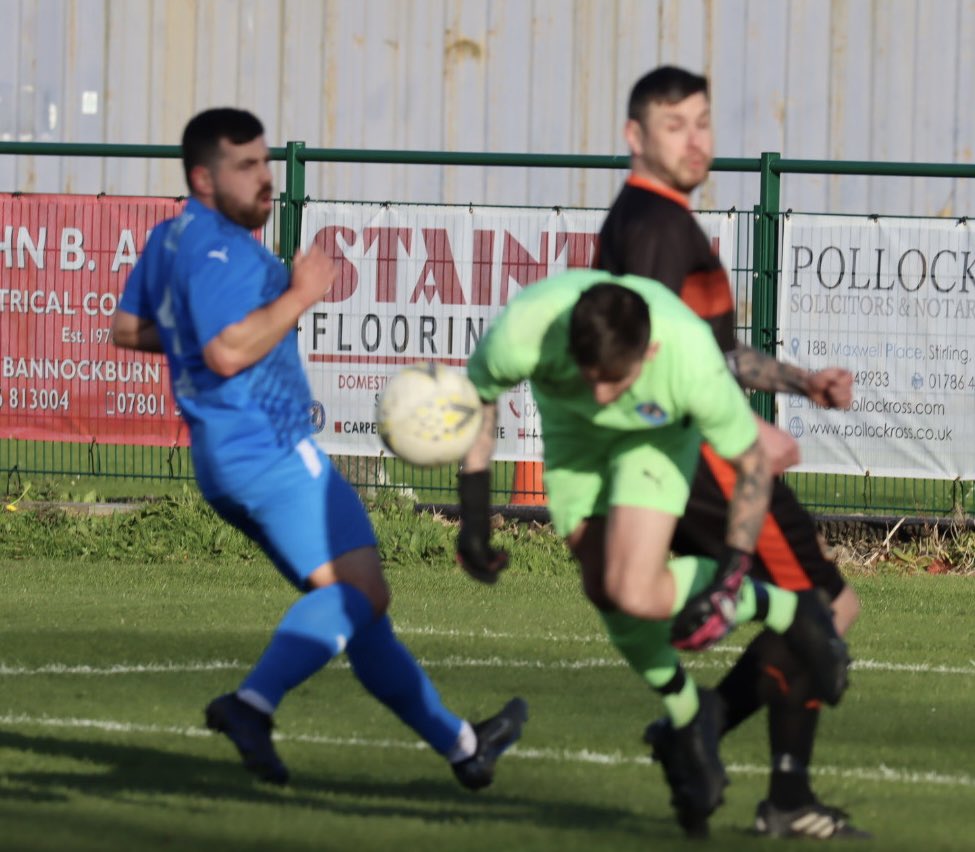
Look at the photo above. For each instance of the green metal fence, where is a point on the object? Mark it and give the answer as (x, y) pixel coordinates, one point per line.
(756, 274)
(833, 493)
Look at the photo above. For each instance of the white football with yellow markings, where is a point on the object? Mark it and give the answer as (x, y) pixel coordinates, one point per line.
(429, 414)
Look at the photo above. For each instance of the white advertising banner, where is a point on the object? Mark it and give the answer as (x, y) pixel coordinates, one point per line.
(423, 283)
(892, 300)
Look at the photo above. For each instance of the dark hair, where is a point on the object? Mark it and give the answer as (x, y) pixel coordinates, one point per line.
(609, 328)
(666, 84)
(201, 138)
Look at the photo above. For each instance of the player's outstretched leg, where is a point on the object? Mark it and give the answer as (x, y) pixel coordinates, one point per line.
(494, 736)
(813, 637)
(250, 730)
(315, 629)
(389, 671)
(803, 618)
(692, 765)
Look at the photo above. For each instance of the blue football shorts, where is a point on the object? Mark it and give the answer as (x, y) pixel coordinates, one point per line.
(302, 513)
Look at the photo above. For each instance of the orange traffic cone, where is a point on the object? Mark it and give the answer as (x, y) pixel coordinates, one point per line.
(527, 488)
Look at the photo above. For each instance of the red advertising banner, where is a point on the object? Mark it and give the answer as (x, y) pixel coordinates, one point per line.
(63, 264)
(424, 282)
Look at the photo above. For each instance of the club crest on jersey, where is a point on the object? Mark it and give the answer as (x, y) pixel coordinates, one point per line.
(652, 413)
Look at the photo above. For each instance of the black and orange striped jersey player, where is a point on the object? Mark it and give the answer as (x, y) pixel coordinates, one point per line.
(651, 231)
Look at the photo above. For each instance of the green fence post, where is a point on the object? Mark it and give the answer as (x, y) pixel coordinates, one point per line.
(766, 273)
(294, 199)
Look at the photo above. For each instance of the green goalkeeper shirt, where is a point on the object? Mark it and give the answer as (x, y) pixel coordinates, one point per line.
(683, 394)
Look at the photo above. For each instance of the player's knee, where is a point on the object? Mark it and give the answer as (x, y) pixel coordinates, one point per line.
(632, 595)
(376, 591)
(374, 586)
(362, 569)
(380, 597)
(783, 678)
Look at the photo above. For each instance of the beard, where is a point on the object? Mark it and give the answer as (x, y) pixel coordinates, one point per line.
(688, 178)
(687, 186)
(252, 215)
(683, 176)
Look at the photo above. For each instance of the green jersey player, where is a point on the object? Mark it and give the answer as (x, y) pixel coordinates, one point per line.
(628, 381)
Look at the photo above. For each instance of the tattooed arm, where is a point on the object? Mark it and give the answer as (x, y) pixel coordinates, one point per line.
(710, 614)
(750, 499)
(831, 387)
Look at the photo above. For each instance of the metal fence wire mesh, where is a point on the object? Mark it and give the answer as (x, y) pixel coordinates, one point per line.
(32, 248)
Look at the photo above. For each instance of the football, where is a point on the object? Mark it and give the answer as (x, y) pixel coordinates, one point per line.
(429, 415)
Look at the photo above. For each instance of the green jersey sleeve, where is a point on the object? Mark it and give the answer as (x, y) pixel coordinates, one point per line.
(528, 336)
(503, 357)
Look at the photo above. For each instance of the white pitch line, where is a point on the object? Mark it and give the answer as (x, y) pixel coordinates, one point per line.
(917, 668)
(582, 638)
(594, 638)
(696, 663)
(7, 670)
(485, 633)
(451, 662)
(121, 668)
(882, 774)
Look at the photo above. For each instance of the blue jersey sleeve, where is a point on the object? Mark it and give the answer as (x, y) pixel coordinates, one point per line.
(227, 284)
(136, 295)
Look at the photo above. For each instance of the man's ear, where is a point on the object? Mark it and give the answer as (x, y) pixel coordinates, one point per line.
(652, 350)
(633, 132)
(201, 180)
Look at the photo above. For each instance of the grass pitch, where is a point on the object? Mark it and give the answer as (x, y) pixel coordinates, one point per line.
(106, 665)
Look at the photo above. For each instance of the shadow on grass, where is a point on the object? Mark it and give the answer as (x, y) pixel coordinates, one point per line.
(128, 774)
(123, 770)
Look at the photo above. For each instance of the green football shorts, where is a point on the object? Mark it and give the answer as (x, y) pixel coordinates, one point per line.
(587, 474)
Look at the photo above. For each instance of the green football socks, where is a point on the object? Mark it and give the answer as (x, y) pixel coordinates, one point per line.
(779, 605)
(645, 645)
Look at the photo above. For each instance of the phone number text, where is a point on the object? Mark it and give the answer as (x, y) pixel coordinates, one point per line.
(128, 403)
(34, 399)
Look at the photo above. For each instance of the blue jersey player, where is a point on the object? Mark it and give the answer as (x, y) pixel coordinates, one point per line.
(223, 309)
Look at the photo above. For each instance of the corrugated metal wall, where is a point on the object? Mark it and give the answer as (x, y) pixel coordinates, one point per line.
(842, 79)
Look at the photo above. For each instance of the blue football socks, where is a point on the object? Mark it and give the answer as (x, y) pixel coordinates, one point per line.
(318, 626)
(389, 671)
(339, 618)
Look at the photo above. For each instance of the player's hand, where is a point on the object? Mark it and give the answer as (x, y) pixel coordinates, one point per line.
(476, 556)
(708, 616)
(313, 274)
(831, 388)
(704, 621)
(474, 551)
(781, 449)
